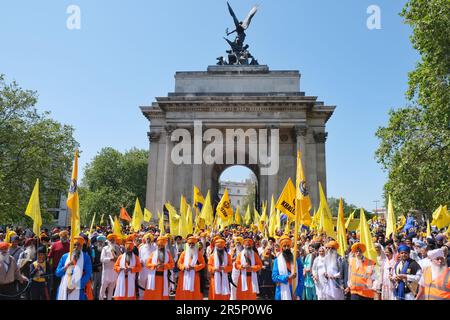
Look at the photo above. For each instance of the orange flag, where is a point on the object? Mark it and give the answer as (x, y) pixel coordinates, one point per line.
(124, 215)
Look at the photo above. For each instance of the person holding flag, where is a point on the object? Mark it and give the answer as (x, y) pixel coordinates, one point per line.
(283, 273)
(75, 270)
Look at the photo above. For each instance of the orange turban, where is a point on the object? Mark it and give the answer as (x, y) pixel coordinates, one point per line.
(64, 233)
(248, 241)
(79, 239)
(112, 236)
(220, 243)
(4, 245)
(332, 244)
(239, 239)
(192, 239)
(285, 240)
(161, 240)
(359, 246)
(129, 245)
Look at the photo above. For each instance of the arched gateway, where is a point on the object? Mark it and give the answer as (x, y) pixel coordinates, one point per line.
(266, 109)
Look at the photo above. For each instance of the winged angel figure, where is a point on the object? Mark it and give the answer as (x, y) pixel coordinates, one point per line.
(239, 53)
(241, 26)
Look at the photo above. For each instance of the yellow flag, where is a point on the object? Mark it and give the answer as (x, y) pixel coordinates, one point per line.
(92, 224)
(272, 218)
(441, 217)
(326, 218)
(117, 229)
(315, 221)
(182, 220)
(189, 220)
(256, 217)
(302, 195)
(111, 221)
(349, 220)
(286, 201)
(147, 215)
(390, 223)
(237, 217)
(73, 204)
(224, 209)
(34, 209)
(287, 226)
(138, 217)
(248, 216)
(199, 200)
(428, 229)
(174, 219)
(341, 232)
(401, 222)
(365, 237)
(101, 220)
(162, 229)
(207, 211)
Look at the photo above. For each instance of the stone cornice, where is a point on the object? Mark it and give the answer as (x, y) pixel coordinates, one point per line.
(320, 137)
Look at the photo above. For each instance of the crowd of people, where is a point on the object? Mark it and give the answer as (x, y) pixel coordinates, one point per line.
(236, 263)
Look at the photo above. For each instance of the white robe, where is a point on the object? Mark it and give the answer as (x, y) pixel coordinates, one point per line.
(318, 270)
(144, 253)
(108, 274)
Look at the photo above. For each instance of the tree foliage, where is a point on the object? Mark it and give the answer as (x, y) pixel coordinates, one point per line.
(32, 146)
(112, 180)
(414, 146)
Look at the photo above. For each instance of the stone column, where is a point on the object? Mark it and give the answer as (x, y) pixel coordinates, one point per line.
(300, 135)
(272, 181)
(197, 170)
(320, 138)
(167, 194)
(311, 169)
(152, 171)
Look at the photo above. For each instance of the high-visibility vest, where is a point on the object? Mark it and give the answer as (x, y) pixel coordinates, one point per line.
(439, 288)
(359, 278)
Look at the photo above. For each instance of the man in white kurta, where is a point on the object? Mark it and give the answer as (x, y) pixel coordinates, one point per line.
(144, 253)
(333, 273)
(318, 272)
(108, 258)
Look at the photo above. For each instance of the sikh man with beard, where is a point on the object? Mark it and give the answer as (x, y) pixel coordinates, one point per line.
(9, 272)
(159, 263)
(75, 271)
(333, 273)
(283, 273)
(435, 281)
(406, 275)
(361, 274)
(248, 263)
(219, 266)
(127, 265)
(144, 253)
(108, 258)
(98, 242)
(191, 261)
(234, 253)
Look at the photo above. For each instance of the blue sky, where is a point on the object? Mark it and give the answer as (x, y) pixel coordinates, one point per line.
(127, 52)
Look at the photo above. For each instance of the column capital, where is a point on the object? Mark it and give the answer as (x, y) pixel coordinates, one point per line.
(154, 136)
(320, 137)
(169, 129)
(301, 130)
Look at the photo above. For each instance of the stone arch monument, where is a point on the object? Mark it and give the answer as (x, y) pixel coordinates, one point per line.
(235, 97)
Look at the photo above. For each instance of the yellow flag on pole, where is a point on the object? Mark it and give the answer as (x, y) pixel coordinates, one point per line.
(441, 217)
(207, 211)
(92, 224)
(101, 220)
(326, 218)
(199, 200)
(401, 221)
(34, 209)
(237, 217)
(117, 228)
(272, 218)
(224, 209)
(365, 237)
(302, 195)
(147, 215)
(248, 216)
(174, 219)
(390, 223)
(256, 217)
(428, 229)
(138, 217)
(341, 232)
(73, 204)
(286, 201)
(349, 219)
(162, 229)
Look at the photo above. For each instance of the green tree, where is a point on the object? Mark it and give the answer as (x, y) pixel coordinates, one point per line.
(414, 146)
(111, 180)
(32, 146)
